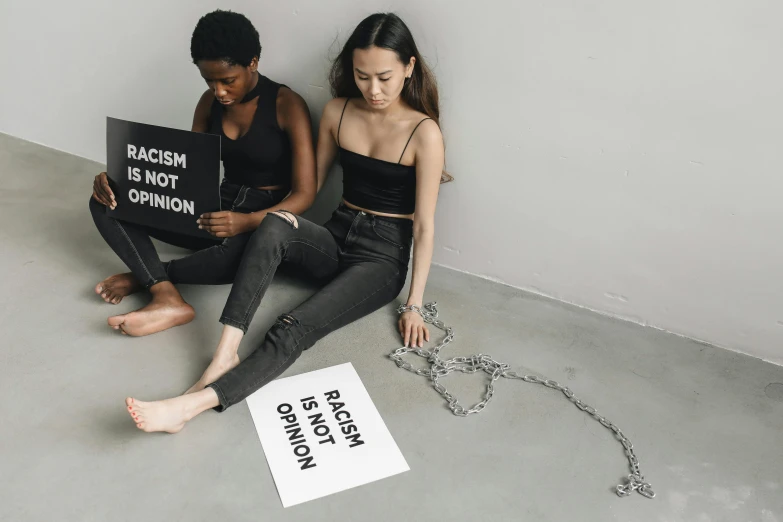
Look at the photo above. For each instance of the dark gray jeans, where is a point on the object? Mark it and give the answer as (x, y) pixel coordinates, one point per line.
(362, 258)
(215, 261)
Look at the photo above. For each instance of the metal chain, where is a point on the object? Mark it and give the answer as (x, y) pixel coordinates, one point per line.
(474, 363)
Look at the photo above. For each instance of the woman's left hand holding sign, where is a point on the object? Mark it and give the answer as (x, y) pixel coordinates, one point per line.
(226, 223)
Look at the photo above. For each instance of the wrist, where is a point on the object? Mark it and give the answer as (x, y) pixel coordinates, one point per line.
(409, 308)
(253, 220)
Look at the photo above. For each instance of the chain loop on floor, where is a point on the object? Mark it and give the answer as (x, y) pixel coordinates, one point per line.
(474, 363)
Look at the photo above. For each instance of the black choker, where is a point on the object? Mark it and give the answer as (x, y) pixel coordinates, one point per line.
(254, 92)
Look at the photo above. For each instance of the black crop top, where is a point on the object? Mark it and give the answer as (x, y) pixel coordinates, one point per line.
(378, 185)
(262, 156)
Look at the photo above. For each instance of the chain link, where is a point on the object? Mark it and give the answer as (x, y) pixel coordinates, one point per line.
(481, 362)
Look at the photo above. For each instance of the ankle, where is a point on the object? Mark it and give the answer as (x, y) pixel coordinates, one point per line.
(199, 402)
(164, 290)
(225, 354)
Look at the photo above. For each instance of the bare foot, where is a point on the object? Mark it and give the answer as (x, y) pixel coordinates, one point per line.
(219, 366)
(166, 310)
(170, 415)
(114, 288)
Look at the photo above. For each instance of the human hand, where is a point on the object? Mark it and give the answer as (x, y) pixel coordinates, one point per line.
(225, 223)
(413, 329)
(101, 191)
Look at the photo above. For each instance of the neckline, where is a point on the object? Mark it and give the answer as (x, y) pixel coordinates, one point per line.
(376, 159)
(255, 91)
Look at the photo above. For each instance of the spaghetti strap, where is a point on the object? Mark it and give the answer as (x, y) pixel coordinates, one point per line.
(409, 139)
(341, 120)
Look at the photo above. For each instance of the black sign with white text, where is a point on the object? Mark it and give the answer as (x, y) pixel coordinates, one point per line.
(163, 178)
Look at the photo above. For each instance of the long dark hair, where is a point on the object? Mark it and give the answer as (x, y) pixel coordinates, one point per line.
(388, 31)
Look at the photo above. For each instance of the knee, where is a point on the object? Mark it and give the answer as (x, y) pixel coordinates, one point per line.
(286, 333)
(287, 217)
(275, 229)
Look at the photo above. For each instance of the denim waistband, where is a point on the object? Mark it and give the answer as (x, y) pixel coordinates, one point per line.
(395, 222)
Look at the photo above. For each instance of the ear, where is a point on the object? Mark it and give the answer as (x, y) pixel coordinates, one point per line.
(253, 67)
(410, 66)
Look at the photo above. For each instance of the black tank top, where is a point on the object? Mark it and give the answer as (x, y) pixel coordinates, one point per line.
(378, 185)
(262, 156)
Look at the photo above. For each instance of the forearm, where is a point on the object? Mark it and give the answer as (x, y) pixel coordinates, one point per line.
(296, 202)
(423, 243)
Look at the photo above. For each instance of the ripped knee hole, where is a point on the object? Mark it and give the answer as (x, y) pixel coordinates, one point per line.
(287, 321)
(287, 216)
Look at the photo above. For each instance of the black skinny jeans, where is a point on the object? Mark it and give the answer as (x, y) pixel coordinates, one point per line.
(363, 259)
(215, 261)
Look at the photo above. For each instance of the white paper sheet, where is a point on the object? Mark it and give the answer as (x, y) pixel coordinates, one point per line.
(321, 434)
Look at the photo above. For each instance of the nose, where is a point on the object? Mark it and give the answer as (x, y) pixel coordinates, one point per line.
(375, 87)
(220, 91)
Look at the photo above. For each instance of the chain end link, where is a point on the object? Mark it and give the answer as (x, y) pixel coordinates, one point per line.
(635, 484)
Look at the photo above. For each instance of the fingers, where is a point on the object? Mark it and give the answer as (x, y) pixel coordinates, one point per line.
(97, 197)
(413, 331)
(105, 185)
(214, 220)
(101, 198)
(216, 231)
(214, 215)
(101, 188)
(219, 224)
(97, 191)
(418, 336)
(407, 335)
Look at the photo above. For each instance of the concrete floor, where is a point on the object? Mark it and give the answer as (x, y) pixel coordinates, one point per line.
(706, 423)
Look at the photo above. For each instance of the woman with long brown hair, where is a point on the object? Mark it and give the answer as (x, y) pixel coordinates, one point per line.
(383, 123)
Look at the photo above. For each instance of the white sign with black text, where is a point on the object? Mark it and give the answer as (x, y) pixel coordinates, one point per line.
(322, 434)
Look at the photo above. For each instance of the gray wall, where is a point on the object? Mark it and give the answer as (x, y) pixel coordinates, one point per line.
(623, 156)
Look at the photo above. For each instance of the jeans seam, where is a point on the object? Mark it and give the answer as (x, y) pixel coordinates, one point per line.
(333, 319)
(133, 247)
(314, 247)
(260, 286)
(222, 399)
(266, 275)
(244, 197)
(387, 240)
(232, 322)
(273, 370)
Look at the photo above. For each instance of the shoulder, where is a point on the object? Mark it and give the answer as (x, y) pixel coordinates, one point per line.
(335, 106)
(289, 101)
(427, 134)
(333, 110)
(292, 110)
